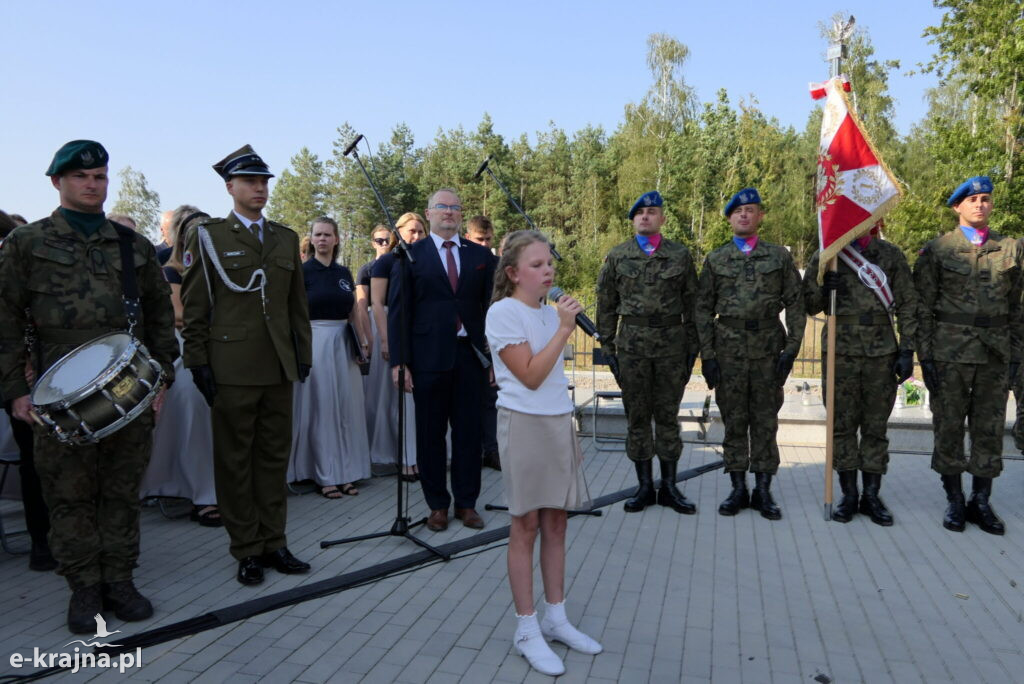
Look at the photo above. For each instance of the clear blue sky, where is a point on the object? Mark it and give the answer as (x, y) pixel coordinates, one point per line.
(169, 88)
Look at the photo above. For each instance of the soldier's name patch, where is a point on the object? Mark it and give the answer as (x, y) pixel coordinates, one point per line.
(240, 252)
(186, 260)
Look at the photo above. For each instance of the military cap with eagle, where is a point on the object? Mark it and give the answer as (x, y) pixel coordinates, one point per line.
(242, 162)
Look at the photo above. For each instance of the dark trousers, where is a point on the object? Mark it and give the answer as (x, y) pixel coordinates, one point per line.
(37, 515)
(490, 417)
(443, 398)
(252, 439)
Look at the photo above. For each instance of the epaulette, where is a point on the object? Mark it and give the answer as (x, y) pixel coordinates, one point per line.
(275, 224)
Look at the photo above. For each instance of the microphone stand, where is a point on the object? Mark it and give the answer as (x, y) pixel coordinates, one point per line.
(515, 205)
(402, 525)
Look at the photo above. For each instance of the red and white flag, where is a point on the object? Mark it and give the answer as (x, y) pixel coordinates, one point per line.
(855, 188)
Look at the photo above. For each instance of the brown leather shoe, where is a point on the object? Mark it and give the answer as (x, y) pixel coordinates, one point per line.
(470, 518)
(438, 520)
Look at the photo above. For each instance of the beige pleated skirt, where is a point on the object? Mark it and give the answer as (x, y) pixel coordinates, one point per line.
(541, 462)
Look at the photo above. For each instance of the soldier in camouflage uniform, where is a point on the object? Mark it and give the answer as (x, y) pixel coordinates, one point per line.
(645, 295)
(970, 345)
(746, 353)
(62, 275)
(870, 365)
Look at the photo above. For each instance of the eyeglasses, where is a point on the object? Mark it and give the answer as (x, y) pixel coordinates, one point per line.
(380, 241)
(447, 207)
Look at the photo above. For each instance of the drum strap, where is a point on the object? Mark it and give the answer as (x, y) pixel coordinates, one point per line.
(129, 286)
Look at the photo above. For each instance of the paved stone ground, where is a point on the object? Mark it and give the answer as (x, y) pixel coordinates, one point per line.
(672, 598)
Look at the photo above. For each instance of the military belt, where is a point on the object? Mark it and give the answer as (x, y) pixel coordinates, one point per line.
(665, 321)
(863, 319)
(971, 319)
(748, 323)
(70, 335)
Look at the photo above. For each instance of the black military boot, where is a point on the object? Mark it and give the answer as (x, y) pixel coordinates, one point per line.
(84, 605)
(761, 499)
(739, 497)
(979, 511)
(40, 559)
(955, 512)
(847, 507)
(870, 503)
(126, 601)
(668, 494)
(644, 496)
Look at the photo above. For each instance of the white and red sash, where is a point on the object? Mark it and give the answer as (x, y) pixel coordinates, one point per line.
(872, 276)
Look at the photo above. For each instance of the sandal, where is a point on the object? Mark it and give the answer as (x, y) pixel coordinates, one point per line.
(207, 516)
(330, 492)
(349, 489)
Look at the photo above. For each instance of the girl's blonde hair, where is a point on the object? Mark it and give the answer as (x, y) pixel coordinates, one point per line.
(512, 247)
(400, 223)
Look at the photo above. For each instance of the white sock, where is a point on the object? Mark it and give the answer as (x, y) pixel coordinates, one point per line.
(530, 643)
(556, 626)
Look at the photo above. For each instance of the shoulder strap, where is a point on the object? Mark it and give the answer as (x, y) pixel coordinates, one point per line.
(129, 286)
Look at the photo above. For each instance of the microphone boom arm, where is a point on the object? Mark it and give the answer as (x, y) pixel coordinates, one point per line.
(518, 208)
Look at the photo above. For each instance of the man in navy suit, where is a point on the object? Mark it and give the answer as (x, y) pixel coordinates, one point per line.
(447, 292)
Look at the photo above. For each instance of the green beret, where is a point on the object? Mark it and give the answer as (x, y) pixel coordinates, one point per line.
(78, 154)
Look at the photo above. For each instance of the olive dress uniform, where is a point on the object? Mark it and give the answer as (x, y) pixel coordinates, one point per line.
(645, 318)
(739, 299)
(254, 345)
(867, 351)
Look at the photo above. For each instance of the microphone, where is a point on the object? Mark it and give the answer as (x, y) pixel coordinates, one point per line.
(480, 169)
(352, 145)
(582, 322)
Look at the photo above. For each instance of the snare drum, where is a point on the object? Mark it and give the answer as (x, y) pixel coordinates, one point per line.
(97, 389)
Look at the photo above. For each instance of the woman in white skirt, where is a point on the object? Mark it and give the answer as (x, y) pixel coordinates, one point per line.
(384, 431)
(329, 443)
(181, 464)
(541, 461)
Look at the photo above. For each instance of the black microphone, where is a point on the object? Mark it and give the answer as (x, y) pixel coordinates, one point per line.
(482, 168)
(582, 322)
(352, 145)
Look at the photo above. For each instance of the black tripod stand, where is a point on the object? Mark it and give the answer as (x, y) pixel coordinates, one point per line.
(402, 524)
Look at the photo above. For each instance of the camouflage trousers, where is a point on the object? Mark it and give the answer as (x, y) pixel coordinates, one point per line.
(749, 398)
(976, 392)
(652, 389)
(865, 394)
(93, 495)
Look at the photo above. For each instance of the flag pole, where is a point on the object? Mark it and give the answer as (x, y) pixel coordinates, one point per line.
(836, 52)
(830, 392)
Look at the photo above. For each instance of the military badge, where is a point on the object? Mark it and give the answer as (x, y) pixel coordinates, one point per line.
(186, 260)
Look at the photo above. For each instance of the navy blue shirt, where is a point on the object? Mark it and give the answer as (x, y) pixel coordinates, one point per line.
(363, 276)
(382, 269)
(330, 290)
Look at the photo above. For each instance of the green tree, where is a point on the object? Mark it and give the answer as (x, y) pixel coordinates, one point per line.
(298, 195)
(136, 199)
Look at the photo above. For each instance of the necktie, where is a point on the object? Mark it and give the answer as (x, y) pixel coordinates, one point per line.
(453, 274)
(255, 228)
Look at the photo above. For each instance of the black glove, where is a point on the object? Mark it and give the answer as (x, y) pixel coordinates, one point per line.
(783, 366)
(931, 375)
(830, 284)
(202, 376)
(904, 366)
(304, 369)
(613, 365)
(691, 360)
(712, 373)
(1014, 369)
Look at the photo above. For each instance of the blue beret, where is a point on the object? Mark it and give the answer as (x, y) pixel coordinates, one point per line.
(744, 196)
(648, 199)
(242, 162)
(971, 186)
(78, 154)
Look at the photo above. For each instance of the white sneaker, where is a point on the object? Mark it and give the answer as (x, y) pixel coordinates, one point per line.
(531, 645)
(570, 636)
